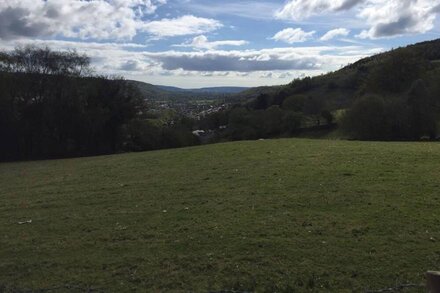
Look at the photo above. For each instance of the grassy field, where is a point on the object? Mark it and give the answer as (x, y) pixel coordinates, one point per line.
(276, 215)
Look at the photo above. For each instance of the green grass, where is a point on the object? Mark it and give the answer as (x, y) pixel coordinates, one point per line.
(274, 215)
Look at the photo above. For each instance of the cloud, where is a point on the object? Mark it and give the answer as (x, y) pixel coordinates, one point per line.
(290, 35)
(266, 75)
(347, 4)
(181, 26)
(282, 59)
(300, 9)
(383, 18)
(92, 19)
(202, 42)
(436, 9)
(335, 33)
(285, 75)
(246, 61)
(399, 17)
(131, 65)
(12, 24)
(279, 75)
(136, 61)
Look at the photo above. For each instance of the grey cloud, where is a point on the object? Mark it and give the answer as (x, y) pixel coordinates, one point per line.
(394, 28)
(348, 4)
(130, 66)
(436, 9)
(232, 63)
(104, 20)
(52, 12)
(384, 18)
(14, 23)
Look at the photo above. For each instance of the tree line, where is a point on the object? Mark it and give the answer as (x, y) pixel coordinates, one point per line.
(52, 105)
(271, 116)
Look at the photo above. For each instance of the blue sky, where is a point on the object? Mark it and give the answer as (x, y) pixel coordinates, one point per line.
(197, 43)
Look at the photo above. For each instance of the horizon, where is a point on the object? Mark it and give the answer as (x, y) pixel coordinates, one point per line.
(196, 43)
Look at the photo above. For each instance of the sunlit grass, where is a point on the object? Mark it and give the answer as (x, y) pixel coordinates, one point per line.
(265, 215)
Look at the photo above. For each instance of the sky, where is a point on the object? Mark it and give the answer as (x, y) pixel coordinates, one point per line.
(201, 43)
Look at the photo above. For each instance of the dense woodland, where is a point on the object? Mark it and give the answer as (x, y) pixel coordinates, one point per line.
(52, 106)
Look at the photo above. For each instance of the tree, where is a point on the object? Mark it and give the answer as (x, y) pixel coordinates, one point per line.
(328, 116)
(313, 107)
(294, 103)
(396, 73)
(366, 119)
(262, 102)
(42, 60)
(50, 106)
(244, 124)
(422, 111)
(292, 121)
(301, 85)
(273, 121)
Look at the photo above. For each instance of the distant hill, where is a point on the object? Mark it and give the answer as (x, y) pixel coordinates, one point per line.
(160, 92)
(217, 90)
(149, 91)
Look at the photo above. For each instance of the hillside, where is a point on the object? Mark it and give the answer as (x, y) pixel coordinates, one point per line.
(158, 92)
(274, 215)
(212, 90)
(393, 96)
(340, 88)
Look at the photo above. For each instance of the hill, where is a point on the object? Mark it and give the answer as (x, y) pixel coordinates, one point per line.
(149, 91)
(340, 88)
(390, 96)
(274, 215)
(212, 90)
(159, 92)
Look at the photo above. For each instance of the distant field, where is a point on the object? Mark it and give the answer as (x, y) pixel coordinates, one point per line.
(275, 215)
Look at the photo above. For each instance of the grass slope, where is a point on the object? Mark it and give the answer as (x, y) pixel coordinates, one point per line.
(309, 215)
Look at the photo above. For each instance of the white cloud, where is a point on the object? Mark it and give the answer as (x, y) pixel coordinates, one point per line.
(335, 33)
(382, 18)
(210, 67)
(290, 35)
(285, 75)
(93, 19)
(266, 75)
(202, 42)
(181, 26)
(398, 17)
(300, 9)
(282, 59)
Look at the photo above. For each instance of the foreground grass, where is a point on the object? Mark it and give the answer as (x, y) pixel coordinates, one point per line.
(304, 215)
